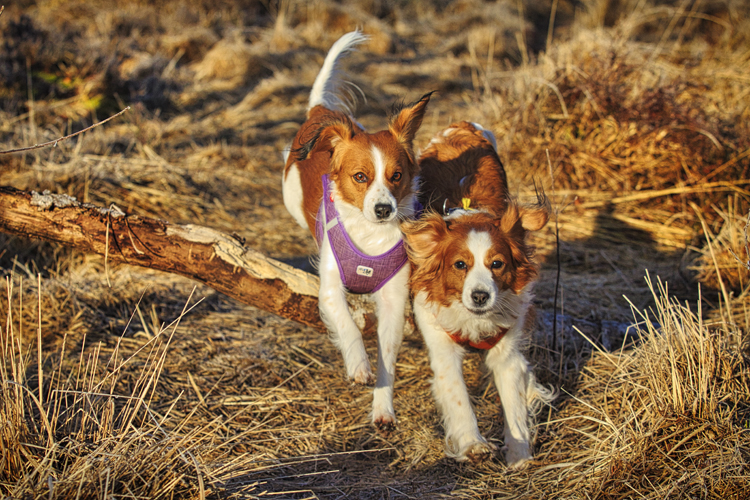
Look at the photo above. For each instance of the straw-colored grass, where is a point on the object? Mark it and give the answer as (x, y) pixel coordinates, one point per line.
(72, 432)
(667, 418)
(725, 262)
(633, 116)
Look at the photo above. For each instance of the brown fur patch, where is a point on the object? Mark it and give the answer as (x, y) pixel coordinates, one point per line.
(462, 163)
(315, 147)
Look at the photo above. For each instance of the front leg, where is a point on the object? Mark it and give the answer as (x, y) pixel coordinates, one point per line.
(462, 438)
(512, 379)
(391, 302)
(334, 311)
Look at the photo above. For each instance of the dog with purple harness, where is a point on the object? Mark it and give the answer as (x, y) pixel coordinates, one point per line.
(351, 189)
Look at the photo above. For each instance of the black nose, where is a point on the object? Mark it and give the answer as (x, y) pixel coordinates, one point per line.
(383, 211)
(479, 297)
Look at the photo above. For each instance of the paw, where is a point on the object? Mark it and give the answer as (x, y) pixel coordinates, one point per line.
(363, 376)
(479, 452)
(385, 424)
(358, 370)
(474, 449)
(518, 455)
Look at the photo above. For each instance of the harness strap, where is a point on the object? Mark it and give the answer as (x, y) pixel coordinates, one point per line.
(360, 273)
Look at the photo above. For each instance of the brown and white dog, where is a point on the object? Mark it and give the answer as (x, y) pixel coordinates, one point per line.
(369, 184)
(472, 277)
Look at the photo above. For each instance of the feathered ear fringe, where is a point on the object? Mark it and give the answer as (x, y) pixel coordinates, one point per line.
(518, 219)
(423, 238)
(534, 217)
(407, 120)
(325, 137)
(516, 222)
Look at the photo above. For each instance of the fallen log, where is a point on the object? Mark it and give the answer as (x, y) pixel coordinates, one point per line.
(200, 253)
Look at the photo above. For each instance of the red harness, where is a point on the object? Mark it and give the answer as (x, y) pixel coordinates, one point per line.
(482, 345)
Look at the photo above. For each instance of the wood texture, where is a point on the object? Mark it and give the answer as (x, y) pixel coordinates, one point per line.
(200, 253)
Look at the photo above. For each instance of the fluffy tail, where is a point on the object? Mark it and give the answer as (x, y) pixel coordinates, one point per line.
(325, 89)
(537, 395)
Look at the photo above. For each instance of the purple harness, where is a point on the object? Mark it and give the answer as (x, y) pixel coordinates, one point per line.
(361, 273)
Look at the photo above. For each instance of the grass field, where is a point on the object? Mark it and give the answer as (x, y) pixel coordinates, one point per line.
(633, 116)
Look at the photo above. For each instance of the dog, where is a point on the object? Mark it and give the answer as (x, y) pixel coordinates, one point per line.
(472, 277)
(351, 189)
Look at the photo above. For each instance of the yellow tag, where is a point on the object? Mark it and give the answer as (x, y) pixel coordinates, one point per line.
(466, 202)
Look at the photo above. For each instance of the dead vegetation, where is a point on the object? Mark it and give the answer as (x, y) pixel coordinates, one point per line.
(634, 118)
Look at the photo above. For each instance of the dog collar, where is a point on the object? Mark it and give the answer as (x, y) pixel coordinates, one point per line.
(360, 273)
(482, 345)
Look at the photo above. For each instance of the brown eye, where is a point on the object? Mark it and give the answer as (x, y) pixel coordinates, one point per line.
(497, 264)
(460, 265)
(360, 177)
(396, 177)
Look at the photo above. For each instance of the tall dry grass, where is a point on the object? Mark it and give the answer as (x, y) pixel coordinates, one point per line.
(668, 419)
(82, 431)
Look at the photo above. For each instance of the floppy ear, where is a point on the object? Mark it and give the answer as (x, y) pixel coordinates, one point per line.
(406, 123)
(423, 236)
(518, 218)
(325, 138)
(511, 223)
(535, 217)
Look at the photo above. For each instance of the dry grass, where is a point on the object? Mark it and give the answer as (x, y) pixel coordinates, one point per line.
(724, 262)
(667, 419)
(634, 118)
(143, 417)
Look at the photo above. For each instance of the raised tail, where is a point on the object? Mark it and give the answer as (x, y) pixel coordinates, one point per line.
(487, 134)
(325, 89)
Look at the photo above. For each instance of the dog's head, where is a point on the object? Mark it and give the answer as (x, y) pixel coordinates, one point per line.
(476, 261)
(373, 172)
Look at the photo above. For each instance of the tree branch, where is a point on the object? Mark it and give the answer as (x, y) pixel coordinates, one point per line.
(197, 252)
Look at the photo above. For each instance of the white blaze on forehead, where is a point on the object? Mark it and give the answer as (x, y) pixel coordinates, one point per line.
(378, 192)
(378, 161)
(479, 243)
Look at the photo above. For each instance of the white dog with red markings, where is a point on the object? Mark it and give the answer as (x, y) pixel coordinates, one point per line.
(472, 279)
(351, 189)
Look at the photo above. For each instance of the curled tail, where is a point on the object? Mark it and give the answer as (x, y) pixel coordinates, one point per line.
(325, 89)
(487, 134)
